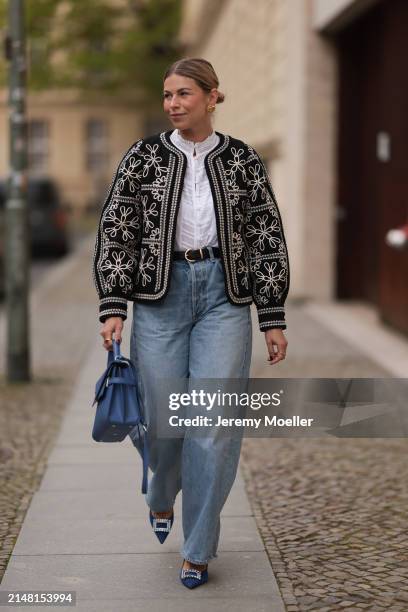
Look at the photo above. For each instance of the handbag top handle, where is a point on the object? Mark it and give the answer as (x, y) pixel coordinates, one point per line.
(116, 349)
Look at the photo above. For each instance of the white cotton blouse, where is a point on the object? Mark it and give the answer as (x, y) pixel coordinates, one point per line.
(196, 224)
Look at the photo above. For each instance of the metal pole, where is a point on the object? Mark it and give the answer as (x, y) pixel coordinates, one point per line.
(16, 229)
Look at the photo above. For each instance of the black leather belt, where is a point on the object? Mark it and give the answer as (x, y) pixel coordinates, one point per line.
(196, 255)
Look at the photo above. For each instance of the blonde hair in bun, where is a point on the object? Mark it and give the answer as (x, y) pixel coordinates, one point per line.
(200, 70)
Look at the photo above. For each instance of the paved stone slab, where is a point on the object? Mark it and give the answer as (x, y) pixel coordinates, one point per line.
(91, 478)
(126, 505)
(97, 453)
(358, 324)
(137, 577)
(114, 535)
(175, 604)
(77, 431)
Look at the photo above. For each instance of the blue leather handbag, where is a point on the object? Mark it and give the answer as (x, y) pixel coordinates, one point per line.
(118, 410)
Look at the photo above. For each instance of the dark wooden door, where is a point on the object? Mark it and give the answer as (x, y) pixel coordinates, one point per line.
(393, 176)
(373, 159)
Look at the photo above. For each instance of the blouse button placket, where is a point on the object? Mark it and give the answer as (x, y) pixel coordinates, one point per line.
(195, 195)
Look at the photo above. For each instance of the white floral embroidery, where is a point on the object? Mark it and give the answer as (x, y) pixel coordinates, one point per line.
(154, 241)
(148, 211)
(233, 192)
(255, 261)
(271, 279)
(257, 182)
(264, 232)
(242, 268)
(238, 216)
(236, 164)
(237, 245)
(128, 174)
(159, 185)
(152, 159)
(121, 223)
(117, 267)
(155, 234)
(145, 264)
(154, 248)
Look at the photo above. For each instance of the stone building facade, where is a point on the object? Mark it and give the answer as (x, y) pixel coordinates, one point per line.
(282, 65)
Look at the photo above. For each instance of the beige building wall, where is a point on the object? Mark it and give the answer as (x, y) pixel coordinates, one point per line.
(279, 74)
(260, 51)
(67, 117)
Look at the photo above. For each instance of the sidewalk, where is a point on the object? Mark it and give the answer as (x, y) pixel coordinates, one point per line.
(87, 529)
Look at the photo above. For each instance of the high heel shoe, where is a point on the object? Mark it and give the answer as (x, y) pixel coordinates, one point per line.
(192, 578)
(161, 526)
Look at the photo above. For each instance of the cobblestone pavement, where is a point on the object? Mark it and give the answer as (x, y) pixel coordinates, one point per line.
(29, 420)
(333, 517)
(63, 319)
(332, 512)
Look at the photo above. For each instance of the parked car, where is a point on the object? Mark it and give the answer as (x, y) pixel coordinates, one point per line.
(47, 217)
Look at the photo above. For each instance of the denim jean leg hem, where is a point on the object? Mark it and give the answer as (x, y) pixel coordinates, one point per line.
(170, 507)
(165, 510)
(198, 562)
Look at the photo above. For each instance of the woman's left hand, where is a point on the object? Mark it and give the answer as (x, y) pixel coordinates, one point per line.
(275, 337)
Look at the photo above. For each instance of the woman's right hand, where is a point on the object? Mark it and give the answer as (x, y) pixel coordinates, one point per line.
(112, 326)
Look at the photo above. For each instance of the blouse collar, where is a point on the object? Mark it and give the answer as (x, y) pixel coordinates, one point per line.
(188, 145)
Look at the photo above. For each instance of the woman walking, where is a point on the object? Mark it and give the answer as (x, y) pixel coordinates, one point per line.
(190, 232)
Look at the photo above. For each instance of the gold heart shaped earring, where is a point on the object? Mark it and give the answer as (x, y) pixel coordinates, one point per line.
(211, 109)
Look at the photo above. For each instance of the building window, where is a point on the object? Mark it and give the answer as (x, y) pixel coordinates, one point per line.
(96, 145)
(38, 146)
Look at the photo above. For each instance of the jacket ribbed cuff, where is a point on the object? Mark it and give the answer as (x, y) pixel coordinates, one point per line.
(271, 318)
(112, 307)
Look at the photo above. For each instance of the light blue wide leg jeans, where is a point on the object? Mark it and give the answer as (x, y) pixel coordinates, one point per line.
(193, 332)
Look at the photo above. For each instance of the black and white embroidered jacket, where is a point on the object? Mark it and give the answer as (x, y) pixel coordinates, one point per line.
(135, 239)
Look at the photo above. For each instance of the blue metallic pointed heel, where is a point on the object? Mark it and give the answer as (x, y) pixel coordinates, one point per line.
(161, 526)
(192, 578)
